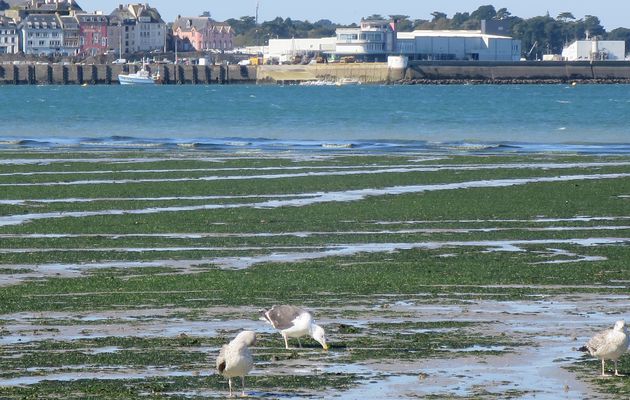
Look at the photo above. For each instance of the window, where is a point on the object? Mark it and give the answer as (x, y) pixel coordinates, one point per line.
(348, 36)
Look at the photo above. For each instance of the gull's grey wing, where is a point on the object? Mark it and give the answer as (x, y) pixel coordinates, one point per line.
(597, 341)
(281, 317)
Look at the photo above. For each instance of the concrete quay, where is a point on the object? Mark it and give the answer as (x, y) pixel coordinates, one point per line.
(75, 74)
(419, 72)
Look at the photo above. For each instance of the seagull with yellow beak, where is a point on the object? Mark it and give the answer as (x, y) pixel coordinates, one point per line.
(294, 322)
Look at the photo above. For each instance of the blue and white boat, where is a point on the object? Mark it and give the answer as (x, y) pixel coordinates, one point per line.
(142, 77)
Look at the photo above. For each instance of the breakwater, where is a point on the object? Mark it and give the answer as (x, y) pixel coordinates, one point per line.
(517, 72)
(75, 74)
(419, 72)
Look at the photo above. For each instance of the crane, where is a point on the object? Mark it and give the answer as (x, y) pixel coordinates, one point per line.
(529, 53)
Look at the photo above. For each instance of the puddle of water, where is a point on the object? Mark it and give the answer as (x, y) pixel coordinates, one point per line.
(315, 198)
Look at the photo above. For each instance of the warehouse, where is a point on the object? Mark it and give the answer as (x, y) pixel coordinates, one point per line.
(458, 45)
(595, 50)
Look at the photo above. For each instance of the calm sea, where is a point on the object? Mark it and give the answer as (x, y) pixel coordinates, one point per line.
(590, 118)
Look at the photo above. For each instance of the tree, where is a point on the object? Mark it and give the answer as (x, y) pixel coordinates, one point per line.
(503, 13)
(565, 16)
(242, 25)
(459, 19)
(484, 12)
(437, 15)
(420, 24)
(593, 26)
(374, 16)
(620, 34)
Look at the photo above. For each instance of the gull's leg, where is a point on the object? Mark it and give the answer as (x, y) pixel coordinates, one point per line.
(230, 383)
(243, 385)
(286, 343)
(617, 372)
(603, 368)
(299, 343)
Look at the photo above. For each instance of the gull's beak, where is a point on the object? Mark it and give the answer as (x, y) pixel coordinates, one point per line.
(326, 346)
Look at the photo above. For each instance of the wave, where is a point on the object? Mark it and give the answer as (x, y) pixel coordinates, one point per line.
(274, 145)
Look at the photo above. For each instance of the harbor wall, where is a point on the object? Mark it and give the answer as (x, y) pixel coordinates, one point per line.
(518, 71)
(416, 72)
(75, 74)
(364, 72)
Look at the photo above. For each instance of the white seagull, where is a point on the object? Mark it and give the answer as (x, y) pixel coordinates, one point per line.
(294, 322)
(609, 344)
(235, 359)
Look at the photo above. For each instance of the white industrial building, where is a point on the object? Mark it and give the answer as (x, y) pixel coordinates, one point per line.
(595, 50)
(458, 45)
(375, 40)
(283, 50)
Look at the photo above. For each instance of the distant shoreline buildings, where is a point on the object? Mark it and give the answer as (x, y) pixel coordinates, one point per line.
(63, 28)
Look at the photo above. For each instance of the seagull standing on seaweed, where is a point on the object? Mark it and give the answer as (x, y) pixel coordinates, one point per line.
(294, 322)
(235, 359)
(609, 344)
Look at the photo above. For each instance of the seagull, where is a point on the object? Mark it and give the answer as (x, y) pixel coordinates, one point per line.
(235, 359)
(294, 322)
(609, 344)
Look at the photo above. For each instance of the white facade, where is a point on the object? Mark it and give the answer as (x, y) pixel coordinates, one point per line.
(595, 50)
(9, 37)
(373, 39)
(136, 27)
(42, 34)
(417, 45)
(151, 35)
(458, 45)
(283, 49)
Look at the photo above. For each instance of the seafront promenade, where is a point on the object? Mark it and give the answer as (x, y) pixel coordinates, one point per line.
(420, 72)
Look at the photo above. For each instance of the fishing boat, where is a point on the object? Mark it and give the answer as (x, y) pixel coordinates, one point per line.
(142, 77)
(348, 81)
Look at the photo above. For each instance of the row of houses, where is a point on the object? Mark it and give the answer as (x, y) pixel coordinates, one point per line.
(61, 27)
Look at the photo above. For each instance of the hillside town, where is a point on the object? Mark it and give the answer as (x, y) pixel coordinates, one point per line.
(62, 28)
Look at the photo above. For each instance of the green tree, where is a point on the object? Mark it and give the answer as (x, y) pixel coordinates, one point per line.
(502, 14)
(459, 19)
(438, 15)
(620, 34)
(565, 16)
(242, 24)
(375, 16)
(593, 26)
(484, 12)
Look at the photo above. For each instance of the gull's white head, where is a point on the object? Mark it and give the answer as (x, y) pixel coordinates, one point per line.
(318, 334)
(620, 325)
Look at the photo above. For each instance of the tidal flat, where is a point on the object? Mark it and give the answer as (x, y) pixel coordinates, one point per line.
(457, 276)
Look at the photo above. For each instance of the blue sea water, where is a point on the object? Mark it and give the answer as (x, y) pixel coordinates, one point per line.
(583, 118)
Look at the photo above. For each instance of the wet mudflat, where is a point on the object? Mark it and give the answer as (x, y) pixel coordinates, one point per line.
(435, 276)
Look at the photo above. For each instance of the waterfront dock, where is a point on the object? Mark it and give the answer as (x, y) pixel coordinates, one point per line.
(419, 72)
